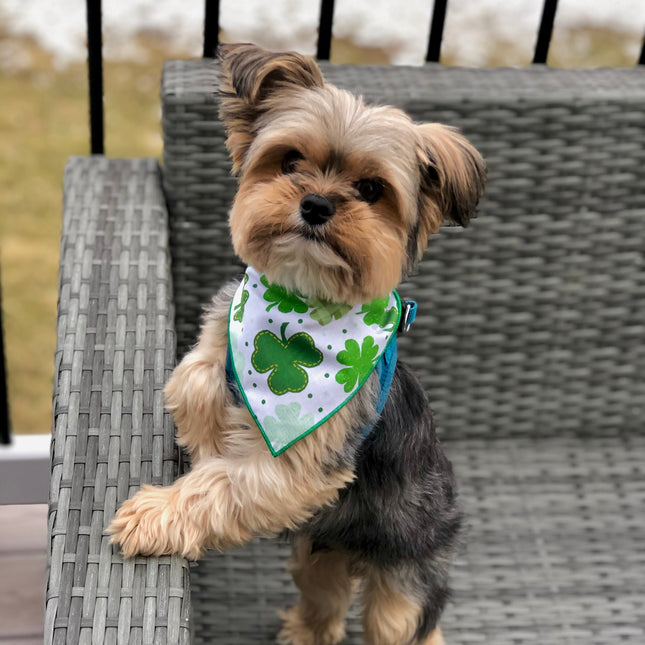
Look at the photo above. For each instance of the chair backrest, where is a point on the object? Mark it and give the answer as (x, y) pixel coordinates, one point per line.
(531, 322)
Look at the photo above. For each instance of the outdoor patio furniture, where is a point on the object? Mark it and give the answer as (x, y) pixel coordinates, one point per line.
(530, 340)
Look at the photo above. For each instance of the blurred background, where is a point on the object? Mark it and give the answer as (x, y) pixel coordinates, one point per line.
(44, 108)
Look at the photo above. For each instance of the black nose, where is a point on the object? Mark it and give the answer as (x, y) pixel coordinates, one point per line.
(316, 209)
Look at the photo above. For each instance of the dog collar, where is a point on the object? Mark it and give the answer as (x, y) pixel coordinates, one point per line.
(298, 360)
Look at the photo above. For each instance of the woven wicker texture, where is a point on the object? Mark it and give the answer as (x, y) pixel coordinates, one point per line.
(528, 339)
(529, 322)
(116, 347)
(554, 552)
(554, 548)
(529, 325)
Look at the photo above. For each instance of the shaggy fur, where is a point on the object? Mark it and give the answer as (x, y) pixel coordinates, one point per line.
(379, 515)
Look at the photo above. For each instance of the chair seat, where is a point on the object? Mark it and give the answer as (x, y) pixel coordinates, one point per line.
(532, 319)
(553, 552)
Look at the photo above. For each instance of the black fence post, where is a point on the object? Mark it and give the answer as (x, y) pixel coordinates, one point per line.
(545, 32)
(5, 430)
(211, 28)
(95, 73)
(324, 29)
(436, 31)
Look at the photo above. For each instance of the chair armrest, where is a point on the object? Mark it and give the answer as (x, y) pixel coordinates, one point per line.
(116, 348)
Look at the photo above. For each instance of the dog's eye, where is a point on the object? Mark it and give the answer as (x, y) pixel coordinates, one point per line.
(370, 190)
(290, 161)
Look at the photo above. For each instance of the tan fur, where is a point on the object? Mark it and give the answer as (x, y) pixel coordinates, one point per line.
(349, 262)
(390, 617)
(327, 581)
(236, 488)
(273, 104)
(197, 394)
(436, 638)
(361, 252)
(326, 589)
(460, 171)
(248, 76)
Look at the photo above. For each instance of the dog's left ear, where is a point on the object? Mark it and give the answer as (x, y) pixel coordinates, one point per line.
(452, 178)
(250, 77)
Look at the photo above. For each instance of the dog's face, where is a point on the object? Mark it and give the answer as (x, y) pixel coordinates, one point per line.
(337, 199)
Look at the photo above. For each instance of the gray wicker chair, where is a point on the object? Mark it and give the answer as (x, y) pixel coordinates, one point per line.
(530, 340)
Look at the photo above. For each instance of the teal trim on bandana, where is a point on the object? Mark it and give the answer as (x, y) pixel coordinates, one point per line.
(388, 351)
(385, 368)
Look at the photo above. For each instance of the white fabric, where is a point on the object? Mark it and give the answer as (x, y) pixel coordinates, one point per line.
(297, 360)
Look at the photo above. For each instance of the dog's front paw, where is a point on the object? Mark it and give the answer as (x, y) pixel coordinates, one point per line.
(150, 524)
(296, 631)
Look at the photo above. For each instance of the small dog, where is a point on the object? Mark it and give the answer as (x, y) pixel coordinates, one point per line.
(335, 206)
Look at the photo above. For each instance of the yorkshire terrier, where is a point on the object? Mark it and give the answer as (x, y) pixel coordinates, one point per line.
(336, 202)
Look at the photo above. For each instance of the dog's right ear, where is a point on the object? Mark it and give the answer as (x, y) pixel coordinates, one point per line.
(250, 76)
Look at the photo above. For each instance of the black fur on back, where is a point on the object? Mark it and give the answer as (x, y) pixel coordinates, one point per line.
(401, 512)
(403, 503)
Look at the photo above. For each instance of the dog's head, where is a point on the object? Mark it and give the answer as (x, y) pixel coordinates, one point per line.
(337, 199)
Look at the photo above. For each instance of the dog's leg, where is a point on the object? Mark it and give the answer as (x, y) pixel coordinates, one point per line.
(224, 501)
(196, 396)
(197, 393)
(227, 499)
(325, 595)
(395, 612)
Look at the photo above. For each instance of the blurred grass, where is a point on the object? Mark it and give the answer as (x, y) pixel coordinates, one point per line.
(44, 120)
(592, 46)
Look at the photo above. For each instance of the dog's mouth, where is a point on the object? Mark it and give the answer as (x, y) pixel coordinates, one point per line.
(321, 237)
(314, 260)
(312, 234)
(314, 247)
(309, 259)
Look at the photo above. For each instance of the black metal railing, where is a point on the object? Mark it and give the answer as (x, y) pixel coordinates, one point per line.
(211, 28)
(545, 32)
(5, 433)
(325, 26)
(325, 29)
(211, 40)
(95, 75)
(436, 31)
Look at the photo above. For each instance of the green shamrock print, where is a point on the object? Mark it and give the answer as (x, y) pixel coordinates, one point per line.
(285, 358)
(288, 425)
(360, 362)
(324, 311)
(239, 309)
(286, 301)
(377, 313)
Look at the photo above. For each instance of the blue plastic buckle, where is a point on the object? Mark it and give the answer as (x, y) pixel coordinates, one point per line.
(409, 314)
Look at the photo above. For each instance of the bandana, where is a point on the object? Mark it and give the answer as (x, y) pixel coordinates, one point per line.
(298, 360)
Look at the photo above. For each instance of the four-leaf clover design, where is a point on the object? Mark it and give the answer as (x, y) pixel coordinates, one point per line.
(360, 361)
(285, 300)
(377, 313)
(324, 311)
(285, 358)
